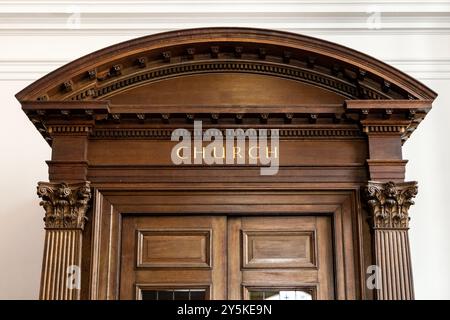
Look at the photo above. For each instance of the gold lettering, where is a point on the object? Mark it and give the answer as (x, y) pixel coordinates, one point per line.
(237, 152)
(222, 155)
(270, 152)
(253, 152)
(179, 153)
(251, 156)
(196, 152)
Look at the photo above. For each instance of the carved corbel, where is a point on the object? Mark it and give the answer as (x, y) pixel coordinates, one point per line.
(215, 51)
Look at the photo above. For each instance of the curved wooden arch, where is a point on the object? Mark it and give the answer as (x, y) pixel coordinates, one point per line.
(123, 66)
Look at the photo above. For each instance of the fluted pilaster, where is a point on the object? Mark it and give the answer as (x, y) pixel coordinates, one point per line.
(388, 205)
(65, 216)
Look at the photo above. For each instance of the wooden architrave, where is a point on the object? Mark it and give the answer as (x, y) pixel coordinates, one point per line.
(343, 131)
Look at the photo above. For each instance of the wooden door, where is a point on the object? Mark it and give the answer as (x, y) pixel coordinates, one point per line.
(166, 258)
(280, 258)
(220, 258)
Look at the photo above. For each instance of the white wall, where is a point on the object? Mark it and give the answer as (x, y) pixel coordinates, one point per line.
(38, 36)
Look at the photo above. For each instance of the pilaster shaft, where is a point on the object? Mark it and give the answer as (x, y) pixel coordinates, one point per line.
(65, 215)
(388, 205)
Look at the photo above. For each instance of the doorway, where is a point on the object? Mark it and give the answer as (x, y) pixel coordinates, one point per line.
(220, 257)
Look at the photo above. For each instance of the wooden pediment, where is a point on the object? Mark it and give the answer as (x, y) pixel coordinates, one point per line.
(224, 72)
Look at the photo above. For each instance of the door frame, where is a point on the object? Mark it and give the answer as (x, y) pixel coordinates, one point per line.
(101, 269)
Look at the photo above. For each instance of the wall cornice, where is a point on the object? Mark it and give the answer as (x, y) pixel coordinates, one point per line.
(146, 17)
(99, 19)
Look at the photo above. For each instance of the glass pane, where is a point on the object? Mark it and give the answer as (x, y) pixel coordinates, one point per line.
(197, 295)
(149, 295)
(256, 295)
(181, 295)
(174, 294)
(165, 295)
(273, 294)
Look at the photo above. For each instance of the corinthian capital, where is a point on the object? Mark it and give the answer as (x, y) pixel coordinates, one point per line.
(65, 204)
(389, 203)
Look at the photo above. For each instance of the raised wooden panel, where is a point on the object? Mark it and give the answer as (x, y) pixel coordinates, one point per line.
(229, 88)
(174, 248)
(278, 249)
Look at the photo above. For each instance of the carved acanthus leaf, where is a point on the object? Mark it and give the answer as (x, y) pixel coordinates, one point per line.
(389, 203)
(65, 204)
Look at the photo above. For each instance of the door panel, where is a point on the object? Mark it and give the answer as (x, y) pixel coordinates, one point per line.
(284, 257)
(173, 257)
(220, 258)
(174, 248)
(278, 249)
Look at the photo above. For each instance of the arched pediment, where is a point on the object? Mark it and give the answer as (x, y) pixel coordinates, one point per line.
(226, 73)
(143, 61)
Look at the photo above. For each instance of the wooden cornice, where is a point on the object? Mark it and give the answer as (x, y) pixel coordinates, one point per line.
(101, 119)
(388, 104)
(68, 105)
(102, 74)
(76, 98)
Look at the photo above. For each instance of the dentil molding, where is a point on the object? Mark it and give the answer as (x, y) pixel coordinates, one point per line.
(31, 70)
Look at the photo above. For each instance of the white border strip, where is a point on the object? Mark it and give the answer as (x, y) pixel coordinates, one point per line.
(220, 6)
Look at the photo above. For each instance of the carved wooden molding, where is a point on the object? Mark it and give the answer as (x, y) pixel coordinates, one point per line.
(343, 86)
(100, 118)
(402, 129)
(389, 203)
(385, 128)
(285, 54)
(65, 204)
(294, 133)
(69, 129)
(395, 117)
